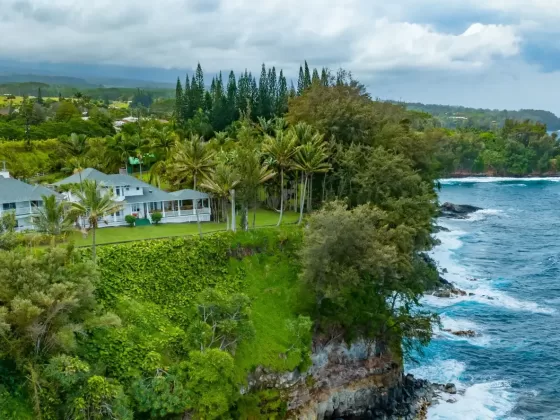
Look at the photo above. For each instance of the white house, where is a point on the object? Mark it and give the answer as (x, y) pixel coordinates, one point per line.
(21, 198)
(142, 200)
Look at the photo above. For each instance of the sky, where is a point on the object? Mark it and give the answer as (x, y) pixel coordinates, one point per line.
(482, 53)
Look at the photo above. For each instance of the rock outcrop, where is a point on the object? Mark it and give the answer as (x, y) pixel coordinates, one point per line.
(350, 383)
(456, 211)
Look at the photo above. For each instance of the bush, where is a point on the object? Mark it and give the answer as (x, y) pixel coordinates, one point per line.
(156, 217)
(130, 219)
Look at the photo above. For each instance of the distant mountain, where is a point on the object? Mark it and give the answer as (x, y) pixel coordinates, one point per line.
(459, 116)
(88, 75)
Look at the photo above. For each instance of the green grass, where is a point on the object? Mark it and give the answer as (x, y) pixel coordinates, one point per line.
(276, 297)
(120, 234)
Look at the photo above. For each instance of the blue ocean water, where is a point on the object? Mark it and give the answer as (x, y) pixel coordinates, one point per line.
(508, 255)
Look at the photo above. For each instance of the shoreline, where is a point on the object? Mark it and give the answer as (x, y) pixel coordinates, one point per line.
(482, 175)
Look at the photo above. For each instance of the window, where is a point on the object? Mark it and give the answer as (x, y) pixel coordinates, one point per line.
(127, 188)
(9, 206)
(118, 191)
(118, 213)
(137, 188)
(36, 204)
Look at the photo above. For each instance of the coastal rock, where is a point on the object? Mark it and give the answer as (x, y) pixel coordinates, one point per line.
(450, 389)
(457, 211)
(349, 382)
(467, 333)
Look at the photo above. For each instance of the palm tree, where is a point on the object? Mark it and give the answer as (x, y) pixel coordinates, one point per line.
(253, 173)
(161, 143)
(52, 218)
(282, 149)
(121, 147)
(192, 160)
(223, 180)
(93, 204)
(311, 158)
(75, 145)
(303, 132)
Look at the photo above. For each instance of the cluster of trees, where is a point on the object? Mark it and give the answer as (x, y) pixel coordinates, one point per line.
(519, 148)
(483, 119)
(361, 162)
(57, 338)
(223, 102)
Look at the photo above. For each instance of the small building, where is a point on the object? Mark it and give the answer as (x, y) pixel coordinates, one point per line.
(141, 199)
(21, 198)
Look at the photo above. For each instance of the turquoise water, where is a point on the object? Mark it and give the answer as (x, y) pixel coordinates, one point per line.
(512, 249)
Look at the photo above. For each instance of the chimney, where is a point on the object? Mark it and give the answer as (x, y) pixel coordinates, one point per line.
(4, 173)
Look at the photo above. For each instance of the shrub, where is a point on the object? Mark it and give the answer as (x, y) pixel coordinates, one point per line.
(130, 219)
(156, 217)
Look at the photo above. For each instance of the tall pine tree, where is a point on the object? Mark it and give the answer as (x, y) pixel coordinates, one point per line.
(188, 111)
(263, 98)
(315, 79)
(179, 102)
(306, 77)
(325, 76)
(300, 82)
(198, 90)
(282, 103)
(272, 90)
(231, 98)
(293, 92)
(40, 97)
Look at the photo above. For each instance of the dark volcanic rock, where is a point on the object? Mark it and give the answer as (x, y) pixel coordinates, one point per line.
(457, 211)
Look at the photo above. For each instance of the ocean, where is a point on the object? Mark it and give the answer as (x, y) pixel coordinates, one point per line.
(508, 255)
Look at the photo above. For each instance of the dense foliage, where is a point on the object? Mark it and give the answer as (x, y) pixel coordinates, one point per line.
(483, 119)
(518, 148)
(148, 342)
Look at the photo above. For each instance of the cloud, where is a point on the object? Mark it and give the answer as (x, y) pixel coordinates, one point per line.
(457, 42)
(173, 33)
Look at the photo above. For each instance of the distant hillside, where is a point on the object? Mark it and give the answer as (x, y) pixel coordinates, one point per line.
(459, 116)
(31, 88)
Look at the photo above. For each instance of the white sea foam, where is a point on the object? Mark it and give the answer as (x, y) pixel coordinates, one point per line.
(461, 276)
(475, 179)
(489, 400)
(483, 214)
(461, 324)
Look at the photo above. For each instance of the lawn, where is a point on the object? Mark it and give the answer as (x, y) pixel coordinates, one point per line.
(121, 234)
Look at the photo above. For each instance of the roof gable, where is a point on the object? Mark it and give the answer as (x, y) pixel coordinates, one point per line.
(13, 191)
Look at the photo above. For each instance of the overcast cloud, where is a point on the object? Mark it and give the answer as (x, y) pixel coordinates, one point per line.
(486, 53)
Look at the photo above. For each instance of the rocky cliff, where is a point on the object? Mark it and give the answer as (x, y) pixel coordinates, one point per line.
(349, 383)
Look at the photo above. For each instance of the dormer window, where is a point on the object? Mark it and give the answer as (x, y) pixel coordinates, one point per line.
(137, 188)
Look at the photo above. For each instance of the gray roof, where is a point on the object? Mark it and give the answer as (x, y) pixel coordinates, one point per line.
(150, 194)
(13, 190)
(189, 195)
(115, 180)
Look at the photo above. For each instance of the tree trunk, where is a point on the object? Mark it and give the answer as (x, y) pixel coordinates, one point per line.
(245, 217)
(93, 244)
(302, 201)
(255, 212)
(233, 219)
(227, 213)
(195, 202)
(281, 195)
(309, 206)
(296, 190)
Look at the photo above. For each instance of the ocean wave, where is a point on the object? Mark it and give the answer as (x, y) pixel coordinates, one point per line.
(483, 214)
(461, 276)
(488, 400)
(461, 324)
(477, 180)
